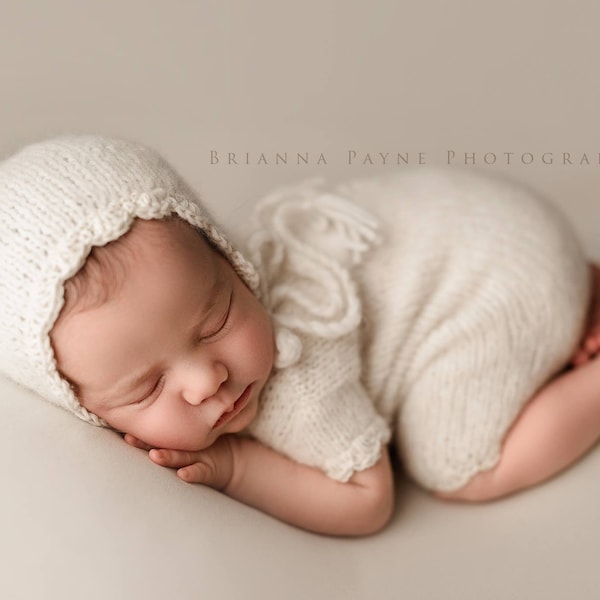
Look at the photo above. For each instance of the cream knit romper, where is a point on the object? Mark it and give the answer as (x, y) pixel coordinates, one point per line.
(427, 305)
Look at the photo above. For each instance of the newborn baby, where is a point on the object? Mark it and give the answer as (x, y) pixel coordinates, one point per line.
(433, 308)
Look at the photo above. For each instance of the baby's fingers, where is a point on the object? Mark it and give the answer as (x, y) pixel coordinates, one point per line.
(133, 441)
(199, 472)
(212, 466)
(190, 467)
(173, 458)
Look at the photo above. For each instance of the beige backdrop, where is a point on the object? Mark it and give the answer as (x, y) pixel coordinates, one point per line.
(509, 86)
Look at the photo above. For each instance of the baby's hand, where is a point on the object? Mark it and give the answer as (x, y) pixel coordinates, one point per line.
(212, 466)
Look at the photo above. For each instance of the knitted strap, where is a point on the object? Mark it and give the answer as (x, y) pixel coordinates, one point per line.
(305, 235)
(304, 244)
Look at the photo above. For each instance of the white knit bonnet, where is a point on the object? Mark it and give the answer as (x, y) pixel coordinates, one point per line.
(58, 199)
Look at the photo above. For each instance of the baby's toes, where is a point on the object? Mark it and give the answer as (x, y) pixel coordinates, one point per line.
(579, 358)
(592, 342)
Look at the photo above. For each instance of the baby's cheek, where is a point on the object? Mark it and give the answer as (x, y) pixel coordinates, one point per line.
(167, 427)
(258, 343)
(266, 340)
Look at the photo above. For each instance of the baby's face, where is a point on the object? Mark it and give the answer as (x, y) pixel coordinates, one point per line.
(180, 352)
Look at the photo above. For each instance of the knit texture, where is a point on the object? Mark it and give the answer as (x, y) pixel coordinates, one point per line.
(430, 304)
(59, 198)
(474, 298)
(314, 408)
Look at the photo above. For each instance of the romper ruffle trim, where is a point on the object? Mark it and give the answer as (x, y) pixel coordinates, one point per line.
(302, 234)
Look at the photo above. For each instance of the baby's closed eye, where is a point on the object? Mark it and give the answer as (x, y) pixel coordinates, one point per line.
(222, 325)
(154, 391)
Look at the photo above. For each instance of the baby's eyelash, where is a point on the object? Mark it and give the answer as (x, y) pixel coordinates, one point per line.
(155, 390)
(224, 326)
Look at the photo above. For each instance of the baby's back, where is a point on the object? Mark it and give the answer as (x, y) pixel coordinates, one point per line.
(475, 298)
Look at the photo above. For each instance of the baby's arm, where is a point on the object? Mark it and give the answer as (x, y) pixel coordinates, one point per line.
(303, 496)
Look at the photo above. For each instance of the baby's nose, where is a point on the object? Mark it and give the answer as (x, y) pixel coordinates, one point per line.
(203, 383)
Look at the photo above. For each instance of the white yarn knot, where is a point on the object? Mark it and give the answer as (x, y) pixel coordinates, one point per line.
(289, 348)
(304, 244)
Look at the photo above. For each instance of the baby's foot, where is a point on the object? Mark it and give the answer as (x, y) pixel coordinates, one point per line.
(590, 344)
(589, 347)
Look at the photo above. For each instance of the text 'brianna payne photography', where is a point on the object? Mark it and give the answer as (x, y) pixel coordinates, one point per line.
(352, 157)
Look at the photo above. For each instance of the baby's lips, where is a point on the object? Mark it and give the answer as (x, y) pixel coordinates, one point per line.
(237, 407)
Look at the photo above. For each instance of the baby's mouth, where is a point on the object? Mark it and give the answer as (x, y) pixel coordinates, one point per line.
(237, 407)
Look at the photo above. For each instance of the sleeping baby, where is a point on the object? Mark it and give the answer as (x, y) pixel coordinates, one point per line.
(447, 314)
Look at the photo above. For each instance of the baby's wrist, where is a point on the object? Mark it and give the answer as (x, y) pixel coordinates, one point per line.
(236, 454)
